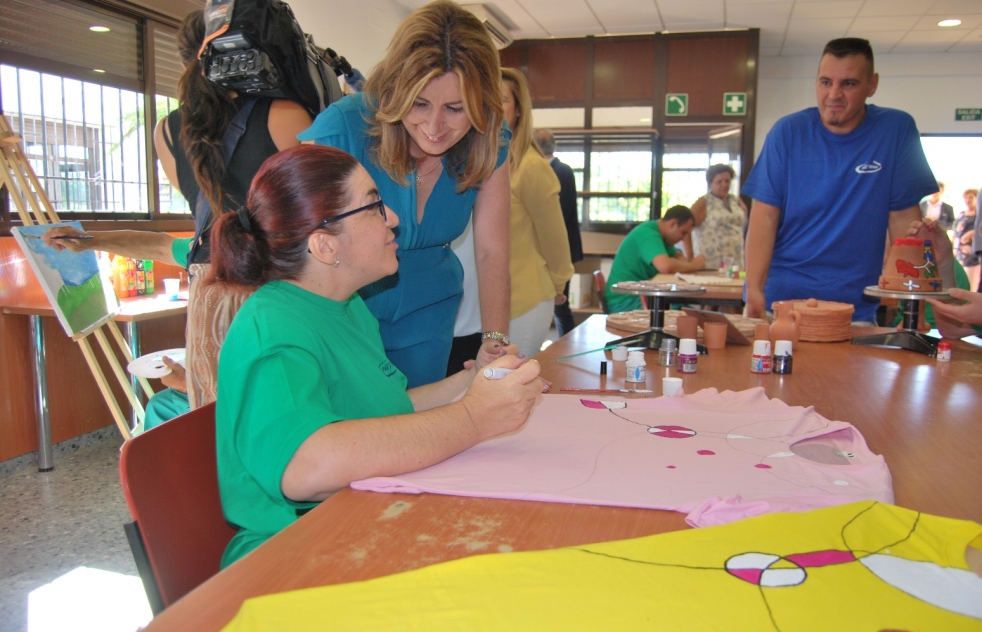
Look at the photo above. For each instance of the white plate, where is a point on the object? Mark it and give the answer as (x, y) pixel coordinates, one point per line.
(151, 365)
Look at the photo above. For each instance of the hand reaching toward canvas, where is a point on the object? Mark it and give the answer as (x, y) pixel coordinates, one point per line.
(72, 245)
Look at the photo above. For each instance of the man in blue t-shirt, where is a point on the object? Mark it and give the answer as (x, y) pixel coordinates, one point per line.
(648, 250)
(828, 185)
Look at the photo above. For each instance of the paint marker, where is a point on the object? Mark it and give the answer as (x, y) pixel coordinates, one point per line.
(496, 374)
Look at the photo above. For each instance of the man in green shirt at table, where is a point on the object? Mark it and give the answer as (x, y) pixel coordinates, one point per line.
(649, 250)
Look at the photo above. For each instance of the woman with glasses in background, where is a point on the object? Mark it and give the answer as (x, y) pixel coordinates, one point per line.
(307, 399)
(428, 128)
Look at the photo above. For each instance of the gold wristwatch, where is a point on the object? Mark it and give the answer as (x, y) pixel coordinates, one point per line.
(495, 335)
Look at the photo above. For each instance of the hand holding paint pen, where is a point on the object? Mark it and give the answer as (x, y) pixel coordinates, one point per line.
(498, 406)
(494, 373)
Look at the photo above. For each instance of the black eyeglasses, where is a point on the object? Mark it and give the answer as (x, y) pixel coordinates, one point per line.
(380, 205)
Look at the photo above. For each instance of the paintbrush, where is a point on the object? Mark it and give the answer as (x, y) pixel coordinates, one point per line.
(603, 390)
(60, 237)
(576, 355)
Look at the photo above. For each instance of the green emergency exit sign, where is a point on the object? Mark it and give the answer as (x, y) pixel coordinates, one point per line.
(968, 114)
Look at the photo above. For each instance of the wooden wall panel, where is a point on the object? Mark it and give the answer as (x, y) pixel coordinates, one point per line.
(557, 72)
(511, 57)
(624, 70)
(705, 68)
(18, 431)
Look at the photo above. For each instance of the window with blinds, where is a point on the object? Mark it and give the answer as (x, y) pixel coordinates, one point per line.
(82, 86)
(57, 37)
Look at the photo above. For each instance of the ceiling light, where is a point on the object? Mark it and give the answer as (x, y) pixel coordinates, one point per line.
(95, 28)
(949, 22)
(99, 70)
(646, 120)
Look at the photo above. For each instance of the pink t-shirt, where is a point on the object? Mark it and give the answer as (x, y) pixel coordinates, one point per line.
(716, 456)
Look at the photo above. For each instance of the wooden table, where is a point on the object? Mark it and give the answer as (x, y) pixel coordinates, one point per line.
(133, 310)
(719, 295)
(922, 415)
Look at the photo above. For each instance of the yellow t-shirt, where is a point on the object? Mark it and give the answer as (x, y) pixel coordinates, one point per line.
(862, 566)
(539, 263)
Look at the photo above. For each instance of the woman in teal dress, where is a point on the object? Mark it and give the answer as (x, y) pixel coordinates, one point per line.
(429, 129)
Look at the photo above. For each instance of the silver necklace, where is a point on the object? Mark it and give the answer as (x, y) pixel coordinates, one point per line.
(419, 176)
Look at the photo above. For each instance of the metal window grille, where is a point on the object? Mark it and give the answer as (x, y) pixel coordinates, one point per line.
(613, 174)
(86, 141)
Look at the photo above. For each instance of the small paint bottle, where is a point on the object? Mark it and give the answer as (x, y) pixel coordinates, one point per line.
(782, 357)
(688, 355)
(760, 361)
(668, 353)
(635, 368)
(944, 351)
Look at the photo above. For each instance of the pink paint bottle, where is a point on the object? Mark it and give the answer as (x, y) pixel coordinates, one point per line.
(688, 355)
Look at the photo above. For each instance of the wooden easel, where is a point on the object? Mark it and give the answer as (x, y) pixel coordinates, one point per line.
(34, 207)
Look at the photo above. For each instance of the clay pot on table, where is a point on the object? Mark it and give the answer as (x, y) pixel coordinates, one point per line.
(714, 335)
(687, 326)
(786, 324)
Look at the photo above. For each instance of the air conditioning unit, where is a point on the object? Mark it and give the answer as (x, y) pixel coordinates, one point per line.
(500, 34)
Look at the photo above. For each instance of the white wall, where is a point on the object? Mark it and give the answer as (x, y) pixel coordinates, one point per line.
(928, 86)
(358, 31)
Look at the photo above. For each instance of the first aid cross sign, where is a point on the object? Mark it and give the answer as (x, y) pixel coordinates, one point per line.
(734, 103)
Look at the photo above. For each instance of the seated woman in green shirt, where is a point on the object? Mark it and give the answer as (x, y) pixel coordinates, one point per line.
(307, 400)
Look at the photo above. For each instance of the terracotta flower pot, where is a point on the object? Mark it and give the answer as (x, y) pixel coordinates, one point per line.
(911, 267)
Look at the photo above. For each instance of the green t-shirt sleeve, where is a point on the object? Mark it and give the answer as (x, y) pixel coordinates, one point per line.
(285, 402)
(181, 248)
(651, 246)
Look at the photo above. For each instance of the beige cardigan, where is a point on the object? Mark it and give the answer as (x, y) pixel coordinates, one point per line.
(540, 264)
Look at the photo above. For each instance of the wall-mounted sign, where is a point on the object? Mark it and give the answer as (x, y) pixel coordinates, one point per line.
(734, 103)
(968, 114)
(677, 104)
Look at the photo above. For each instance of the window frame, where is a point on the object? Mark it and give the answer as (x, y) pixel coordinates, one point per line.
(565, 138)
(148, 23)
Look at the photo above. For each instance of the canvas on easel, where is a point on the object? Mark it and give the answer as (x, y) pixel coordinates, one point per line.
(79, 294)
(82, 299)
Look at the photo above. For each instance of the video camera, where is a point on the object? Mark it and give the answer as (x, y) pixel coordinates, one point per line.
(257, 47)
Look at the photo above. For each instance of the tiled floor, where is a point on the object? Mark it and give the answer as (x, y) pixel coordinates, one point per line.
(51, 523)
(54, 522)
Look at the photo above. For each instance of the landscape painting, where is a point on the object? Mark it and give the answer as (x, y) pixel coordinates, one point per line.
(81, 297)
